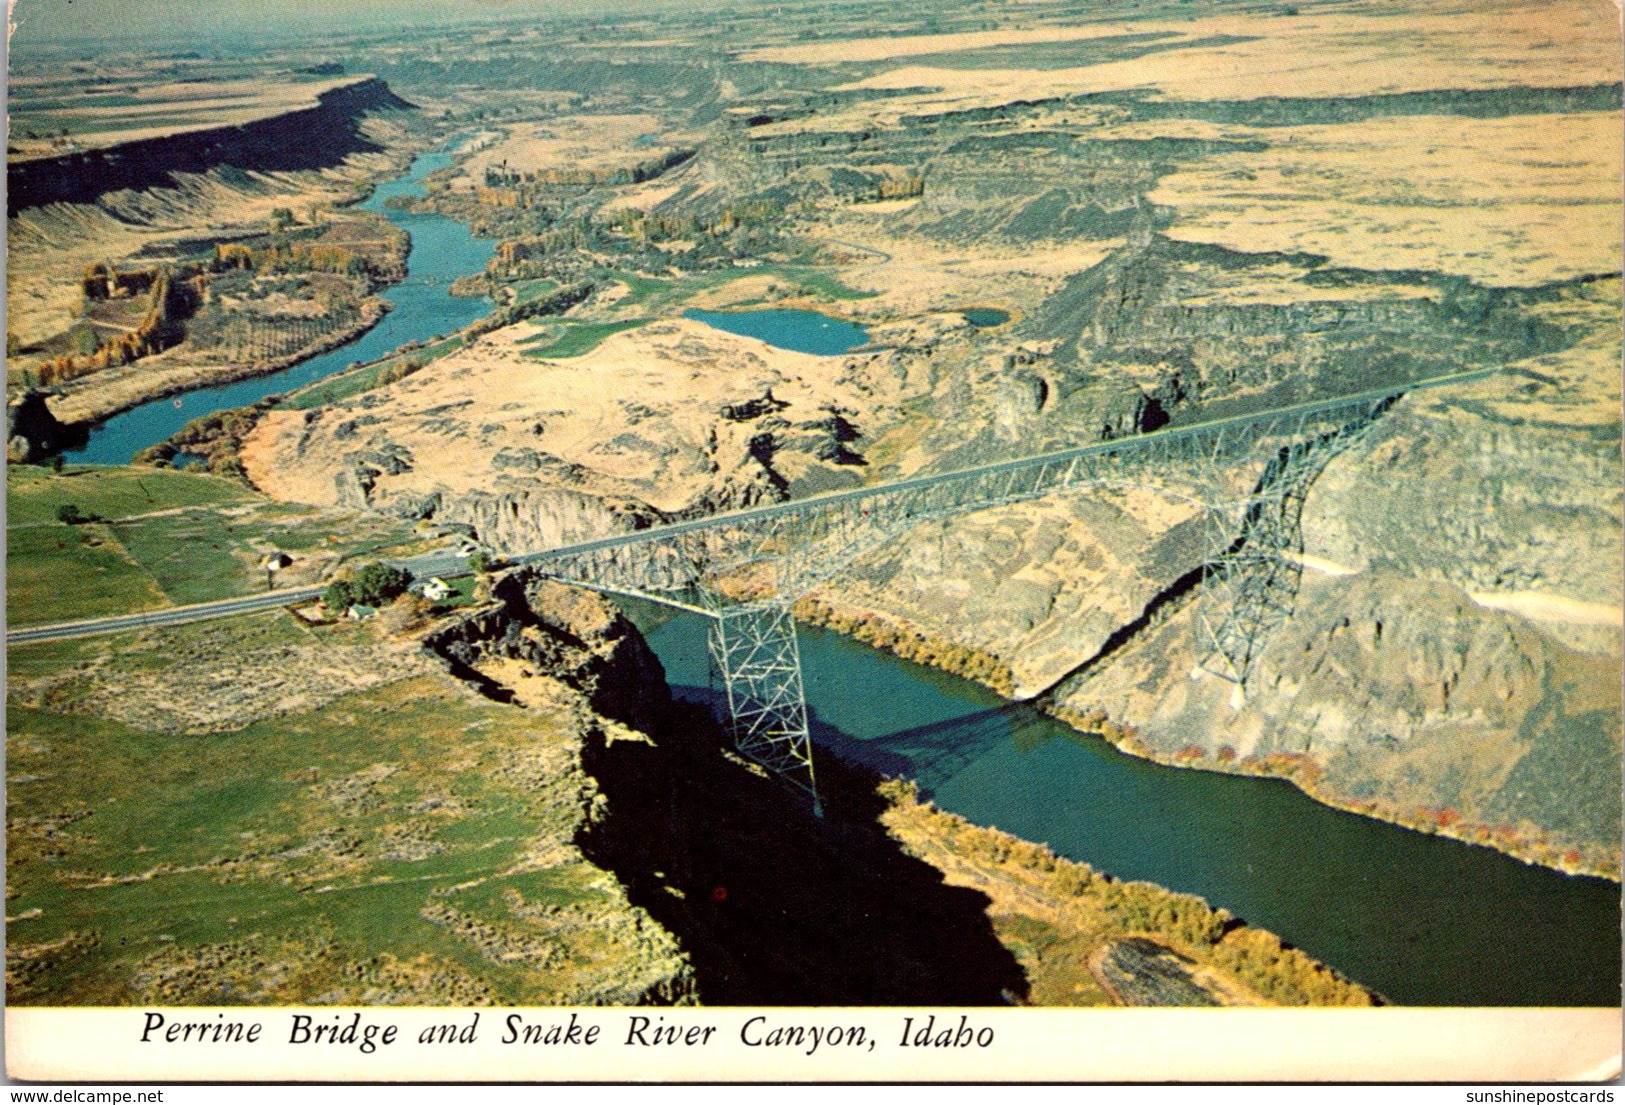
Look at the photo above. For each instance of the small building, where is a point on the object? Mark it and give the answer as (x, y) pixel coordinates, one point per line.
(359, 611)
(438, 590)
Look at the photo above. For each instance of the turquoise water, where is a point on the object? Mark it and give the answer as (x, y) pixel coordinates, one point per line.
(802, 331)
(442, 250)
(985, 316)
(1421, 919)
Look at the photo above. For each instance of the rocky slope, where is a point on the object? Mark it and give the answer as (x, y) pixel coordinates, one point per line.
(1176, 233)
(669, 419)
(1453, 660)
(170, 201)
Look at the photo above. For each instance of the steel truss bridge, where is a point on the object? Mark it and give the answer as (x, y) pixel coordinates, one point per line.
(744, 569)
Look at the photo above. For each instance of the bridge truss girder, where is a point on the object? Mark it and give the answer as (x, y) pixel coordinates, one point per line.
(745, 569)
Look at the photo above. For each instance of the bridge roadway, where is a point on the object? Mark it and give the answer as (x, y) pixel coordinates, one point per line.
(772, 511)
(447, 563)
(437, 563)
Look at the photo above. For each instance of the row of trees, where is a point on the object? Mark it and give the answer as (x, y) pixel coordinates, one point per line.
(1255, 957)
(373, 585)
(649, 227)
(562, 239)
(171, 300)
(259, 337)
(101, 280)
(293, 257)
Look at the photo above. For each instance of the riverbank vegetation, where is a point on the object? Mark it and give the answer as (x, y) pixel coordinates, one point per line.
(1062, 919)
(257, 303)
(1522, 839)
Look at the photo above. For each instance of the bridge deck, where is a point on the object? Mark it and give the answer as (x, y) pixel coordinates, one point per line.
(751, 515)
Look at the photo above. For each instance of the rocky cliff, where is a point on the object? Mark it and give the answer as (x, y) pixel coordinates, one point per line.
(569, 634)
(1453, 660)
(32, 431)
(882, 900)
(316, 137)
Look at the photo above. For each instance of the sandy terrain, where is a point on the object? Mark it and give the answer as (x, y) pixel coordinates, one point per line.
(637, 416)
(884, 49)
(1491, 46)
(1500, 201)
(913, 275)
(641, 197)
(1540, 606)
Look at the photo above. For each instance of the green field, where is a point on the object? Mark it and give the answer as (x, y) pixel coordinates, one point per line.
(58, 573)
(530, 290)
(34, 494)
(162, 538)
(574, 339)
(355, 381)
(194, 817)
(404, 843)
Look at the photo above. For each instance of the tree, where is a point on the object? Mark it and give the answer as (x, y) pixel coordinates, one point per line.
(281, 218)
(377, 584)
(339, 596)
(480, 561)
(68, 514)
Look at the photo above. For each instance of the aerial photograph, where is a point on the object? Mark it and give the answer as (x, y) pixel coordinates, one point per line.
(974, 503)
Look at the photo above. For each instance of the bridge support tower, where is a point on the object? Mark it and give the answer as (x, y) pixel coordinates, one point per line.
(754, 647)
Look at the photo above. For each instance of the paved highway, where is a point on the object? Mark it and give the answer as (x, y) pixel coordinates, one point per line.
(443, 563)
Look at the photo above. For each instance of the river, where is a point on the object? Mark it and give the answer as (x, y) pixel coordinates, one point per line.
(1422, 919)
(442, 250)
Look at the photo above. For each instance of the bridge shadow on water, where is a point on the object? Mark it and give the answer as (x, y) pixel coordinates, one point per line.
(774, 905)
(933, 754)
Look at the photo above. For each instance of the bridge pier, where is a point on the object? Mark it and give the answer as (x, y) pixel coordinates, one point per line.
(1251, 582)
(755, 649)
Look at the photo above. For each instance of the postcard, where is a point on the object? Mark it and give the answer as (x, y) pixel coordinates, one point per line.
(805, 541)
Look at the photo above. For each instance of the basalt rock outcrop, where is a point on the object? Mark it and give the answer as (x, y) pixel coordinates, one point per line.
(570, 634)
(316, 137)
(32, 431)
(1453, 658)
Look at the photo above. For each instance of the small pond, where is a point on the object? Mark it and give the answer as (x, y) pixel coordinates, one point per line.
(985, 317)
(801, 331)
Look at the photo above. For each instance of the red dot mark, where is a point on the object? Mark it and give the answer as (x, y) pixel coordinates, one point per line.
(719, 894)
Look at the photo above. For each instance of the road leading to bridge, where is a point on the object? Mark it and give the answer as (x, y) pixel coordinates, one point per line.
(429, 564)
